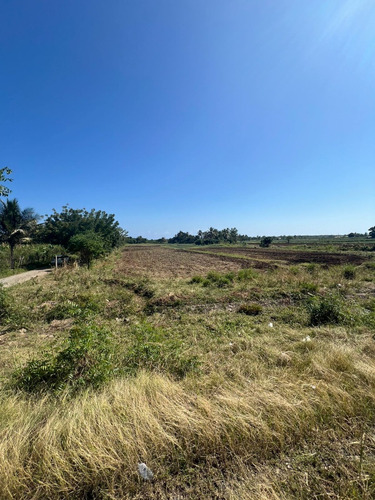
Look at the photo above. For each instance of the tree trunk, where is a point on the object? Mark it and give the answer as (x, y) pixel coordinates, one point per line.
(11, 256)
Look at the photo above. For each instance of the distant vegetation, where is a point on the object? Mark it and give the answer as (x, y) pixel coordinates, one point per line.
(88, 234)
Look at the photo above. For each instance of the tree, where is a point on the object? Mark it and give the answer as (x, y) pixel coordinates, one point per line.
(15, 225)
(59, 228)
(265, 242)
(4, 172)
(88, 245)
(371, 232)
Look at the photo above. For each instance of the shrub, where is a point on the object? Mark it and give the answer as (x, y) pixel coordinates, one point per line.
(216, 279)
(81, 307)
(265, 242)
(325, 311)
(196, 279)
(250, 309)
(308, 288)
(86, 360)
(246, 274)
(153, 349)
(4, 303)
(349, 272)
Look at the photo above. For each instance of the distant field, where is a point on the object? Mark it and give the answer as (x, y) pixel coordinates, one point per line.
(232, 372)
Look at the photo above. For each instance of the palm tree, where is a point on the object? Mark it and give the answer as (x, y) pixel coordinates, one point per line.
(15, 224)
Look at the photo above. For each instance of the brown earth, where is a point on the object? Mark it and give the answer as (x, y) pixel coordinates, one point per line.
(165, 262)
(290, 256)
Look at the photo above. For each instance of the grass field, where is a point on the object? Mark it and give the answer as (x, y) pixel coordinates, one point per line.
(233, 373)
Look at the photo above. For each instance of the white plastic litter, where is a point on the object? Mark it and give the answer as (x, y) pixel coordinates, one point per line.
(145, 472)
(306, 339)
(270, 325)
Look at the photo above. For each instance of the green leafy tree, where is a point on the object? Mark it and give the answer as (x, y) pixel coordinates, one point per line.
(265, 242)
(60, 227)
(4, 172)
(371, 232)
(88, 245)
(15, 225)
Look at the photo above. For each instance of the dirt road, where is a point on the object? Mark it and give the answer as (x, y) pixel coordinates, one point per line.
(20, 278)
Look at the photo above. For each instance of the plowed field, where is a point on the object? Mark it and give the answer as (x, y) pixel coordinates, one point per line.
(289, 256)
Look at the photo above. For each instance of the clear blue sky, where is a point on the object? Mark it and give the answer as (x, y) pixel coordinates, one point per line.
(182, 114)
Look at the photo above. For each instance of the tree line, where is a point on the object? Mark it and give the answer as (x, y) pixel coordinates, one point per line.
(87, 233)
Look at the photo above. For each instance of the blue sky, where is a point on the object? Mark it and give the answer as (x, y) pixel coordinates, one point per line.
(180, 115)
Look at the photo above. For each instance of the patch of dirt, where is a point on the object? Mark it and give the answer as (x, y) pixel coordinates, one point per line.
(291, 256)
(164, 262)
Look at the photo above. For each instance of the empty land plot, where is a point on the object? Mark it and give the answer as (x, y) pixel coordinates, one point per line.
(164, 262)
(289, 256)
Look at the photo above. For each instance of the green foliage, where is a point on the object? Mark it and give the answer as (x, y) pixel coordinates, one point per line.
(214, 278)
(4, 172)
(265, 242)
(349, 272)
(88, 246)
(15, 225)
(246, 274)
(371, 232)
(196, 279)
(4, 303)
(326, 310)
(308, 288)
(154, 349)
(85, 360)
(82, 306)
(59, 228)
(250, 309)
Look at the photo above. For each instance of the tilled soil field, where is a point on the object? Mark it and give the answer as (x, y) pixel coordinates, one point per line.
(290, 256)
(166, 262)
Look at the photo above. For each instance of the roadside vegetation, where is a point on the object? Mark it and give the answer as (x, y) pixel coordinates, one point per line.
(229, 380)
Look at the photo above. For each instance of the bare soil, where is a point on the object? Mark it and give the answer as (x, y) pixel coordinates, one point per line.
(165, 262)
(291, 256)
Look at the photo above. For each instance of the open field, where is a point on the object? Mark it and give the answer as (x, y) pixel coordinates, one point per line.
(233, 374)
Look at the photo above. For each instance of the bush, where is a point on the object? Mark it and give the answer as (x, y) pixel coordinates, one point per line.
(196, 279)
(80, 307)
(250, 309)
(325, 311)
(246, 274)
(308, 288)
(4, 303)
(349, 272)
(86, 360)
(153, 349)
(265, 242)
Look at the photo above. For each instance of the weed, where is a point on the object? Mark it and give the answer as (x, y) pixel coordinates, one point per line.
(325, 311)
(246, 274)
(308, 288)
(196, 279)
(154, 349)
(349, 272)
(86, 360)
(250, 309)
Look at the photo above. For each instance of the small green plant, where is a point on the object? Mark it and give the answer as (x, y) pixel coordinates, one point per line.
(246, 274)
(4, 303)
(81, 306)
(196, 279)
(214, 278)
(325, 311)
(86, 360)
(154, 349)
(307, 288)
(250, 309)
(349, 272)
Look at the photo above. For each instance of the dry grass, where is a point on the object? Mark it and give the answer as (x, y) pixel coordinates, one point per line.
(268, 414)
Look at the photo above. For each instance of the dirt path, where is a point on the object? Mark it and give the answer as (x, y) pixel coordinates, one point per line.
(20, 278)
